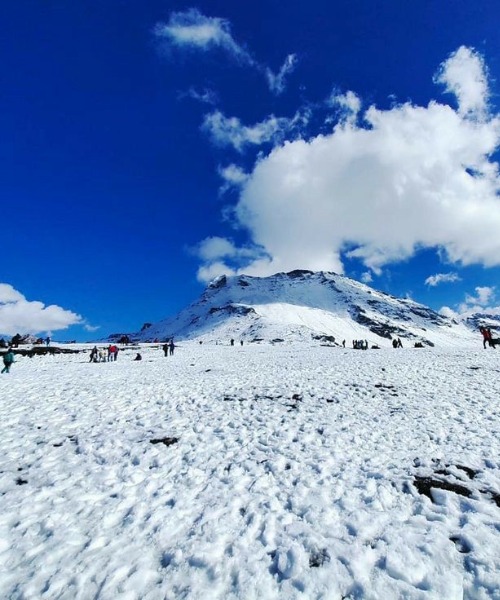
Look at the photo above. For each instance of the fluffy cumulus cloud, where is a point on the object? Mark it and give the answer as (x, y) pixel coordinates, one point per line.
(481, 302)
(18, 315)
(464, 74)
(218, 254)
(193, 30)
(383, 186)
(434, 280)
(484, 295)
(348, 105)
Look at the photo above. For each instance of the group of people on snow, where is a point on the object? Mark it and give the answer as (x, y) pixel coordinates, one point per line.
(168, 347)
(109, 354)
(360, 344)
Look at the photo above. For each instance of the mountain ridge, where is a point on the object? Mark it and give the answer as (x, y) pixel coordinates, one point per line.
(306, 306)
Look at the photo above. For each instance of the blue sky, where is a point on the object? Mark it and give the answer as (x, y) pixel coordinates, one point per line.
(148, 146)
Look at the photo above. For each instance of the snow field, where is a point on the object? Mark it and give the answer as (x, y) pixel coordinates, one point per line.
(292, 477)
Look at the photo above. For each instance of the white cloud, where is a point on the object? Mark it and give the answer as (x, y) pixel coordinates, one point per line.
(483, 296)
(9, 294)
(366, 277)
(205, 96)
(216, 252)
(229, 131)
(464, 74)
(214, 248)
(480, 303)
(276, 82)
(233, 176)
(410, 177)
(349, 104)
(18, 315)
(434, 280)
(193, 29)
(446, 311)
(212, 270)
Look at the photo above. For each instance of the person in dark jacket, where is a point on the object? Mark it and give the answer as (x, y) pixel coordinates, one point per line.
(165, 349)
(94, 354)
(8, 360)
(171, 347)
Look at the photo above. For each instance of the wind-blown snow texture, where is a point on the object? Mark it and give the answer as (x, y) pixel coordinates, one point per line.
(302, 305)
(288, 471)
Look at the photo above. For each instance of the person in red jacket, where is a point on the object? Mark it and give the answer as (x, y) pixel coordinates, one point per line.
(486, 333)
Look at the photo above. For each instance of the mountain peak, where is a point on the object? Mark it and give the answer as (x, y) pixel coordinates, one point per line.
(307, 306)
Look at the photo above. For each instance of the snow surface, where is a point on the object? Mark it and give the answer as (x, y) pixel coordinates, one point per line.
(293, 475)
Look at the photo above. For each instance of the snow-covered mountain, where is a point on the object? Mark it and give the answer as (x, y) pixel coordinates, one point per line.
(307, 306)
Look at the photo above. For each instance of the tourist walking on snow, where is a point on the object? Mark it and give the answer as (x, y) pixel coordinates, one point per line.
(8, 360)
(486, 333)
(171, 347)
(165, 348)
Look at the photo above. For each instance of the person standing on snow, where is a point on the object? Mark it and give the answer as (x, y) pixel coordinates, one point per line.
(8, 360)
(165, 348)
(112, 353)
(486, 333)
(171, 347)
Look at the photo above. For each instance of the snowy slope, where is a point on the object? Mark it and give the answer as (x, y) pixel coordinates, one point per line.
(298, 472)
(301, 306)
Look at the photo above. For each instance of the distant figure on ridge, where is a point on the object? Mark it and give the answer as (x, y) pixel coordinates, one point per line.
(8, 360)
(47, 341)
(232, 342)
